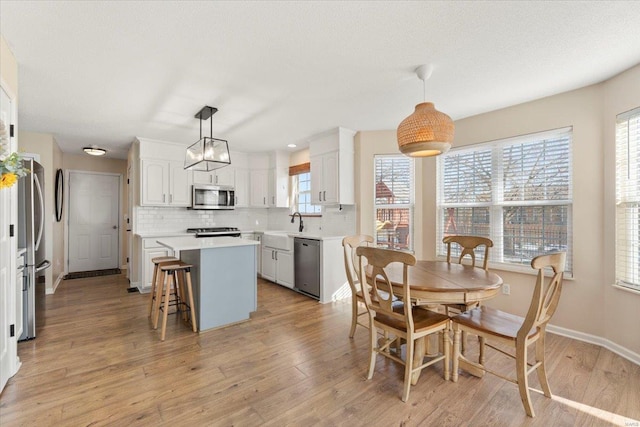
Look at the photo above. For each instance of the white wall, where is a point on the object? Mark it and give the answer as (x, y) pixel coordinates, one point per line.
(588, 305)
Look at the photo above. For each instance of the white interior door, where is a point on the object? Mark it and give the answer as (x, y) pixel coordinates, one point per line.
(94, 227)
(7, 272)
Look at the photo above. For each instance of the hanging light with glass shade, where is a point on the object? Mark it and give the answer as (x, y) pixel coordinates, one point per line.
(427, 132)
(208, 153)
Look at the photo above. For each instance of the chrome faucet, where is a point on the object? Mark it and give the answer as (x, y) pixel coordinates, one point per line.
(293, 219)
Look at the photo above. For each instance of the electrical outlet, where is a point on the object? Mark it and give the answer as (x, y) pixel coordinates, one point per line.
(506, 289)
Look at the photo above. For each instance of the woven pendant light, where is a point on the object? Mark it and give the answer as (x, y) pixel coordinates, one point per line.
(427, 132)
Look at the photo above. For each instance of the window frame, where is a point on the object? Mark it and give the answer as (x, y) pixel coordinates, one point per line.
(497, 202)
(412, 198)
(627, 196)
(294, 175)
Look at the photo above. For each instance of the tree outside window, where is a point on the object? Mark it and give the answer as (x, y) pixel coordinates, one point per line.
(394, 201)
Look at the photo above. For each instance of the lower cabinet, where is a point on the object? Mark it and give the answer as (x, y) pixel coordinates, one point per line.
(150, 250)
(277, 266)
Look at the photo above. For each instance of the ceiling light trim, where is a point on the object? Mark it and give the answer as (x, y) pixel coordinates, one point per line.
(94, 151)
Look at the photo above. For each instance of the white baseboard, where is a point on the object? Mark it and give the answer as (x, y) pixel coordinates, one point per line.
(592, 339)
(56, 283)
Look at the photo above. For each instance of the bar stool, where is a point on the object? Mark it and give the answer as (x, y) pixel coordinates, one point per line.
(176, 274)
(156, 276)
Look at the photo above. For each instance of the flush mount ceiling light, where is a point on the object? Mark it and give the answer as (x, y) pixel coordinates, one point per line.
(208, 153)
(427, 132)
(95, 151)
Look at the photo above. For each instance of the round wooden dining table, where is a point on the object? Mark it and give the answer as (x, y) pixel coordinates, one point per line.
(439, 282)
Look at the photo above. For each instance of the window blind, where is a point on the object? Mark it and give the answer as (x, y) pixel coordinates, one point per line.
(394, 201)
(628, 199)
(515, 191)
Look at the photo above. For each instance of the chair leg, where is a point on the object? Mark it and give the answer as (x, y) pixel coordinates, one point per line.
(542, 370)
(456, 353)
(481, 355)
(373, 337)
(523, 382)
(354, 315)
(192, 306)
(152, 295)
(408, 368)
(159, 290)
(165, 313)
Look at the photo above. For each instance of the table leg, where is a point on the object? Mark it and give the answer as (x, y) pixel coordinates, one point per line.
(418, 358)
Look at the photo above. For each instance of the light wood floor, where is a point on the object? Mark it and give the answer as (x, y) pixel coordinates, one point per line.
(96, 361)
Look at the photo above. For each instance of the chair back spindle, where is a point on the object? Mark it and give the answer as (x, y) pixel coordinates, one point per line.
(546, 293)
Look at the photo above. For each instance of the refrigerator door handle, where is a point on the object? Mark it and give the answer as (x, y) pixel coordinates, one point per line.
(40, 199)
(43, 265)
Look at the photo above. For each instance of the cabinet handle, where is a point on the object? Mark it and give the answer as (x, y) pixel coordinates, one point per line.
(216, 179)
(320, 196)
(264, 200)
(164, 196)
(273, 200)
(276, 255)
(324, 193)
(170, 198)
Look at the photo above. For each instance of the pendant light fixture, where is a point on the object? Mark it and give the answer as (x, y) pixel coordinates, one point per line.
(208, 153)
(427, 132)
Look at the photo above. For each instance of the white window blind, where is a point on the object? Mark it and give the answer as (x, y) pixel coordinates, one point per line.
(516, 191)
(628, 199)
(394, 201)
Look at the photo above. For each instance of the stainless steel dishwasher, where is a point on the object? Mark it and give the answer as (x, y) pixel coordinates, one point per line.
(306, 257)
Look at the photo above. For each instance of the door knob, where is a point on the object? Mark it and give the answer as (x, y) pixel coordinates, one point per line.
(115, 226)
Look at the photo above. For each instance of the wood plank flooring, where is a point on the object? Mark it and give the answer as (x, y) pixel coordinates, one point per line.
(96, 361)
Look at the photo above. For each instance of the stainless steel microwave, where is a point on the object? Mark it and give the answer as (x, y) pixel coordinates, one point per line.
(212, 197)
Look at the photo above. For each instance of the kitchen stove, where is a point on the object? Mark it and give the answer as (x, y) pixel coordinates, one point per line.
(215, 231)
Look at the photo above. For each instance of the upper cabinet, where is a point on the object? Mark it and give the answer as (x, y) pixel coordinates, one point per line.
(163, 180)
(222, 176)
(278, 190)
(332, 167)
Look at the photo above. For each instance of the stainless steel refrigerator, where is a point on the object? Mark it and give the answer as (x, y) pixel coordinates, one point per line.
(30, 233)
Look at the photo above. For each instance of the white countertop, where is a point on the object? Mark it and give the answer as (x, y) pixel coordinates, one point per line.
(304, 235)
(185, 243)
(148, 235)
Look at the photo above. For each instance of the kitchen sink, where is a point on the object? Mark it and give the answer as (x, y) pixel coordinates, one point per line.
(277, 240)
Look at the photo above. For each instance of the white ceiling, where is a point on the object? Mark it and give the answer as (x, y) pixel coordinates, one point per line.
(99, 72)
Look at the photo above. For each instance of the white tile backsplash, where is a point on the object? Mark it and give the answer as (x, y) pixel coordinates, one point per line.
(333, 222)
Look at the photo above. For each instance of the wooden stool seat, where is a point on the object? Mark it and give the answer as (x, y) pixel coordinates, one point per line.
(175, 273)
(156, 276)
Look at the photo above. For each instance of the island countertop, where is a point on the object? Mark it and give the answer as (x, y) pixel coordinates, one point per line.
(185, 243)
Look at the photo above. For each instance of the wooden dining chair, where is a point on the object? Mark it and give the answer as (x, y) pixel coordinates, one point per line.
(518, 333)
(399, 320)
(468, 245)
(349, 244)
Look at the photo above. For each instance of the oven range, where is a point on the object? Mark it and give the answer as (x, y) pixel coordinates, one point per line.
(215, 231)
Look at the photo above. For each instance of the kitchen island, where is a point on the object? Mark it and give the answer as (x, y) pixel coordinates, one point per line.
(224, 277)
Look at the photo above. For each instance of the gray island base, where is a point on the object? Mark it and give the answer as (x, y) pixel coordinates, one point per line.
(224, 277)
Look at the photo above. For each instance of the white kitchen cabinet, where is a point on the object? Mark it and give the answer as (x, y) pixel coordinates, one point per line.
(332, 168)
(259, 182)
(278, 186)
(222, 176)
(165, 183)
(150, 250)
(242, 193)
(277, 266)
